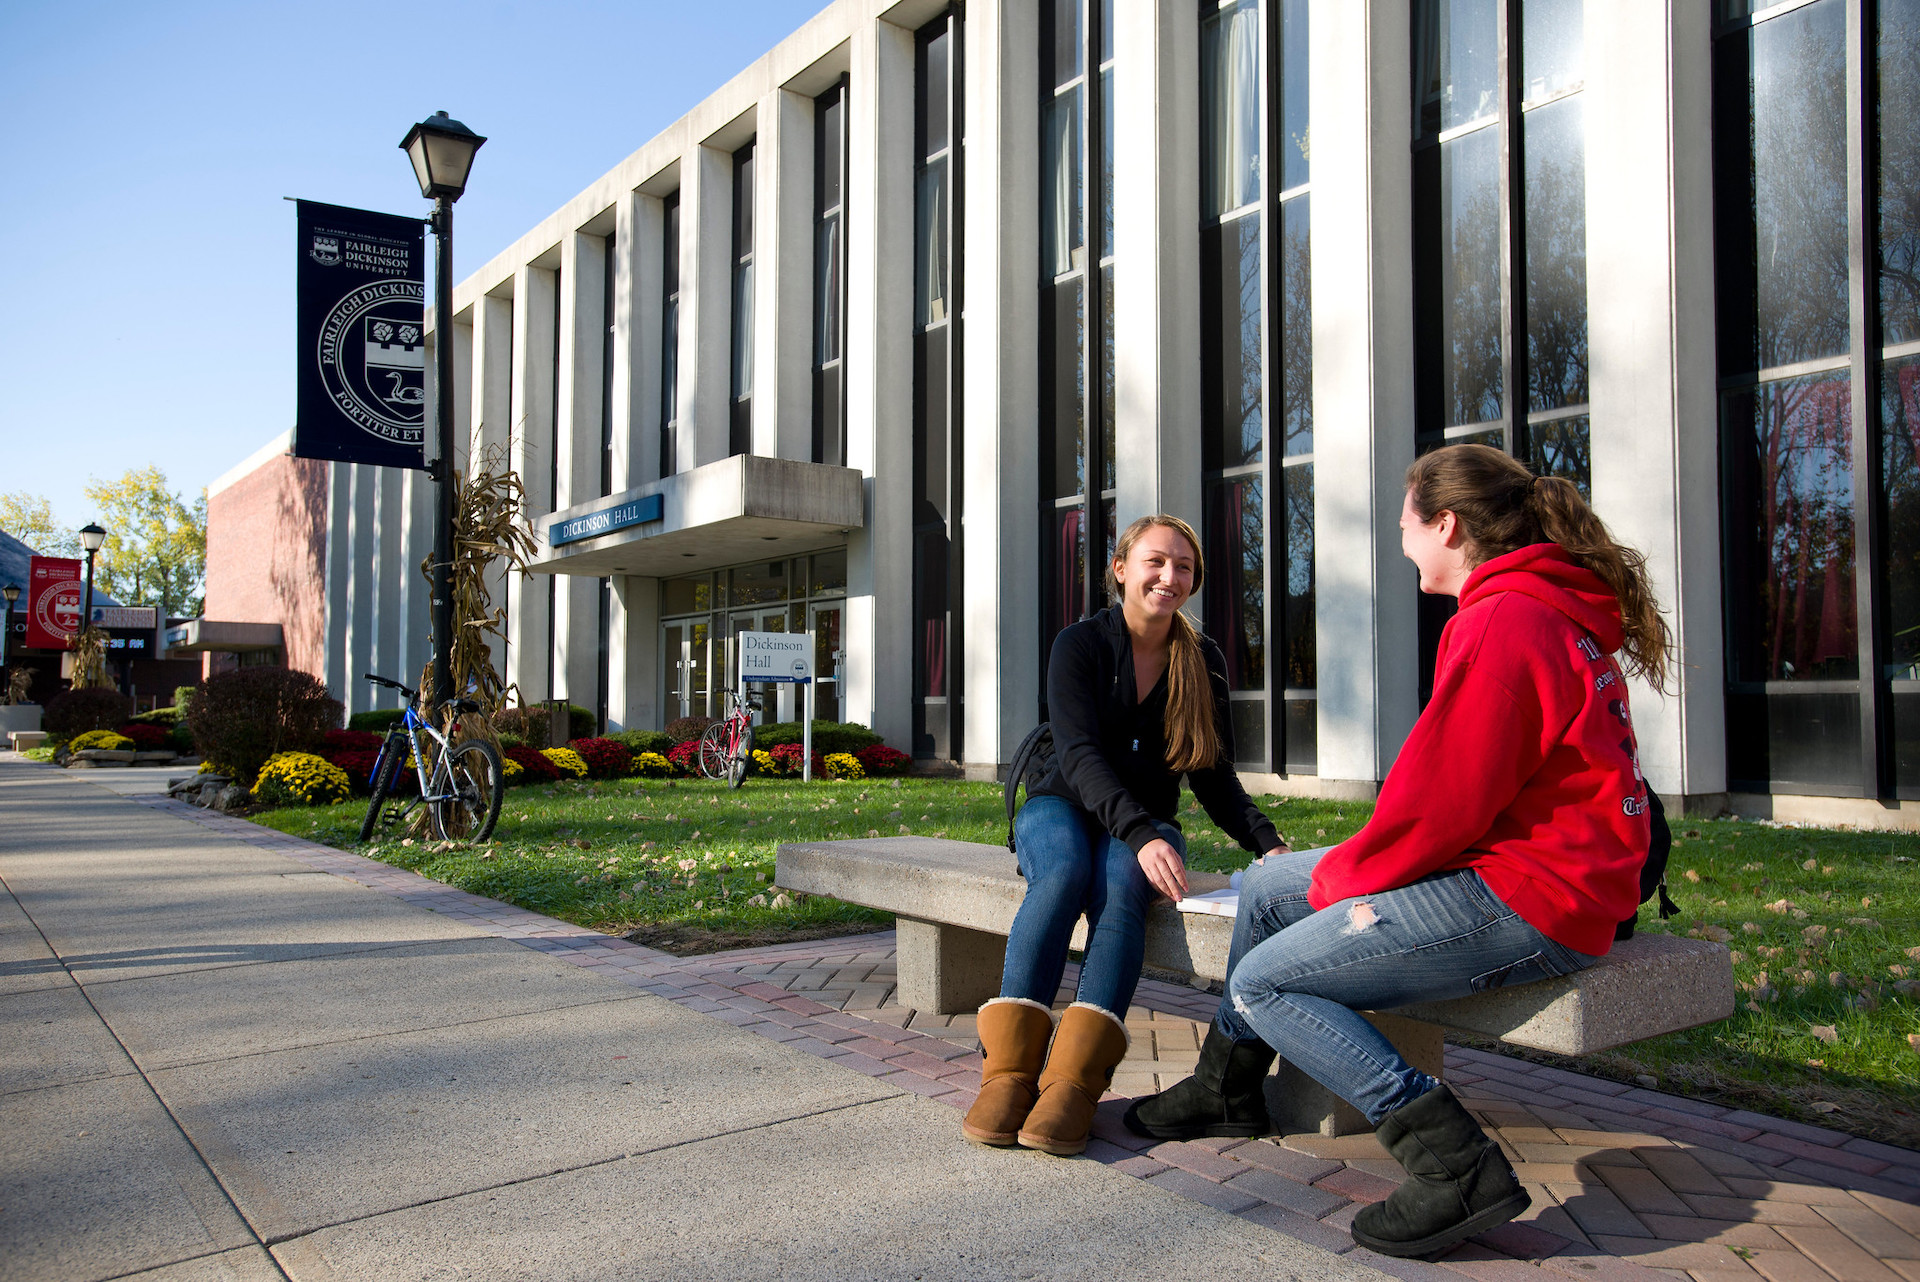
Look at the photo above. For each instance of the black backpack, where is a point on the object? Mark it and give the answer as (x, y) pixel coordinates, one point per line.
(1032, 762)
(1653, 873)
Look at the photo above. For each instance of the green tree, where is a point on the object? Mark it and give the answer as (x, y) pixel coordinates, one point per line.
(156, 547)
(29, 518)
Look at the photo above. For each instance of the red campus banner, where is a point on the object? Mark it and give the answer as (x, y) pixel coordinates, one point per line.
(53, 602)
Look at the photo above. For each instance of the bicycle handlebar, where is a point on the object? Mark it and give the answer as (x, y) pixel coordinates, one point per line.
(392, 685)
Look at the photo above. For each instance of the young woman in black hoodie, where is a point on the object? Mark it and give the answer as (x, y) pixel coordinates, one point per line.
(1136, 697)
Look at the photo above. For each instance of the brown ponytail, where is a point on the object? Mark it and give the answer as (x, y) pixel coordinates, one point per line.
(1193, 739)
(1501, 506)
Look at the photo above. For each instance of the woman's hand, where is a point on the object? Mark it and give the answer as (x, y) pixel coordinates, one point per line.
(1281, 849)
(1164, 868)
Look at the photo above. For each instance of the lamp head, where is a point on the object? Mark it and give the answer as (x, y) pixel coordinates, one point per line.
(441, 149)
(11, 592)
(92, 536)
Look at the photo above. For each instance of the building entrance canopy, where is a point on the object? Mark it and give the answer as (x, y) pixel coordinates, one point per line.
(745, 508)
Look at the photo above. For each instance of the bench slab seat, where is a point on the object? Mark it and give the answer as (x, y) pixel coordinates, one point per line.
(955, 902)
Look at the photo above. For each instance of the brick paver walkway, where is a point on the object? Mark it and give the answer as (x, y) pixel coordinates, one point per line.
(1627, 1183)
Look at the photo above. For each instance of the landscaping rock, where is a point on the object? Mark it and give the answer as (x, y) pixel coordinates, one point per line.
(158, 758)
(124, 756)
(230, 797)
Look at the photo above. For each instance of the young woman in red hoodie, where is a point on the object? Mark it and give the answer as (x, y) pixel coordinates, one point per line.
(1505, 847)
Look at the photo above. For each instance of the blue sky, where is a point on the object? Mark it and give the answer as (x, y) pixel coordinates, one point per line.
(146, 255)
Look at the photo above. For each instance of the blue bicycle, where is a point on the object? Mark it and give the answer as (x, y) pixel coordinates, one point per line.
(466, 784)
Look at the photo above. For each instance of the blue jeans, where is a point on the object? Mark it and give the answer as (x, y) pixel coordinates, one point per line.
(1296, 977)
(1074, 866)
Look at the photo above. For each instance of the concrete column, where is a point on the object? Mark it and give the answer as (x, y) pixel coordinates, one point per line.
(362, 584)
(387, 569)
(636, 341)
(576, 624)
(489, 432)
(1156, 260)
(878, 621)
(1652, 365)
(1001, 380)
(528, 654)
(633, 664)
(706, 305)
(1362, 385)
(783, 274)
(339, 573)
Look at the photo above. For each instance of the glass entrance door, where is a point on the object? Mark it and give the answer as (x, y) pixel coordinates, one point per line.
(683, 669)
(824, 622)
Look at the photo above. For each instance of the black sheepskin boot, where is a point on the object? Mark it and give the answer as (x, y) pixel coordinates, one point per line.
(1224, 1097)
(1459, 1183)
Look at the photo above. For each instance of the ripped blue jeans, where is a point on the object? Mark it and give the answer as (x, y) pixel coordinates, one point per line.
(1296, 977)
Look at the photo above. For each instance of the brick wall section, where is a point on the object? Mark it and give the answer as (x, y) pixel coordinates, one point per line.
(266, 554)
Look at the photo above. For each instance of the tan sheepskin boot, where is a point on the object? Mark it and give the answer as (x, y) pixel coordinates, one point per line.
(1089, 1046)
(1013, 1038)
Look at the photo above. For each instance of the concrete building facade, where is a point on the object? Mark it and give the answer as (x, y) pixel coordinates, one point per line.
(886, 337)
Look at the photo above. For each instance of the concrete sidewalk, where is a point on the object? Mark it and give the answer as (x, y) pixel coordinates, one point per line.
(222, 1061)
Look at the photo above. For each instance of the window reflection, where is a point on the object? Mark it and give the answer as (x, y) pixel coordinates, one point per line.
(1230, 108)
(1296, 326)
(1061, 249)
(1470, 283)
(1552, 46)
(1232, 349)
(1900, 466)
(1790, 530)
(1456, 62)
(1297, 494)
(1563, 447)
(1236, 586)
(1899, 63)
(1556, 255)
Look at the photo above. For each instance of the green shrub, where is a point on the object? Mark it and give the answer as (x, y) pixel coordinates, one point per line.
(581, 722)
(110, 740)
(180, 737)
(509, 740)
(241, 719)
(182, 697)
(78, 711)
(158, 717)
(828, 736)
(378, 721)
(534, 723)
(687, 729)
(639, 741)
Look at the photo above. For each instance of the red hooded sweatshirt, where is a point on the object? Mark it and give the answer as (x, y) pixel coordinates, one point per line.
(1523, 765)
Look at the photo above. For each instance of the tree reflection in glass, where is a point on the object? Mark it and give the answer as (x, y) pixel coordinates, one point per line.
(1899, 59)
(1236, 584)
(1556, 255)
(1900, 465)
(1296, 327)
(1790, 530)
(1297, 495)
(1470, 214)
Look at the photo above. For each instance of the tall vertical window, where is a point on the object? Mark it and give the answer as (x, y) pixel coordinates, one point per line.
(829, 275)
(669, 333)
(1818, 343)
(553, 481)
(1500, 228)
(936, 391)
(1257, 373)
(606, 370)
(1076, 281)
(740, 423)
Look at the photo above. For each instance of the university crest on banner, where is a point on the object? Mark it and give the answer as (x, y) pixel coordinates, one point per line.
(362, 394)
(53, 601)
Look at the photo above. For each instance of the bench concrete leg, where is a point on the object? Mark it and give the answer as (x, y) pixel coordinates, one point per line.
(946, 970)
(1299, 1105)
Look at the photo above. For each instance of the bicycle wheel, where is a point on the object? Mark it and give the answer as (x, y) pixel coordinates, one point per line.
(473, 777)
(384, 773)
(741, 759)
(713, 751)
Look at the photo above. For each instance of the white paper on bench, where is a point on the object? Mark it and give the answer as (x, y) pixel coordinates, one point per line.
(1221, 903)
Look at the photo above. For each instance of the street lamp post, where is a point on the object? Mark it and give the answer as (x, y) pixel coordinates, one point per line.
(12, 593)
(91, 537)
(441, 150)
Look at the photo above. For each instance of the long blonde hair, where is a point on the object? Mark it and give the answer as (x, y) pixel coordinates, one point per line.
(1502, 506)
(1193, 740)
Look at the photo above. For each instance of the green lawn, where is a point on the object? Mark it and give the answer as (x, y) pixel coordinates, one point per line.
(1825, 925)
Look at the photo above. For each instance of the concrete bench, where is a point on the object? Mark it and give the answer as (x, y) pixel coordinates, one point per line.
(24, 739)
(954, 902)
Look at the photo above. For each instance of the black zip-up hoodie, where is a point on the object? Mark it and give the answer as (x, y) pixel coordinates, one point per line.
(1110, 746)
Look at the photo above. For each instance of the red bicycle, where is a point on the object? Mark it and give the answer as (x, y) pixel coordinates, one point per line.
(726, 749)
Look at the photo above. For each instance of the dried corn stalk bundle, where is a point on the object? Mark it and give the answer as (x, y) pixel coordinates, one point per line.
(90, 659)
(487, 527)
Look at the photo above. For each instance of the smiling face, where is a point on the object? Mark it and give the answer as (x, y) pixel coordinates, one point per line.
(1156, 576)
(1436, 549)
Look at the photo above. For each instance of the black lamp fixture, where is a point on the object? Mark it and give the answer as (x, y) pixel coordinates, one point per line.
(441, 149)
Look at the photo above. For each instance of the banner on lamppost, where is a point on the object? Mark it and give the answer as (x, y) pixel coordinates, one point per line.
(361, 393)
(55, 585)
